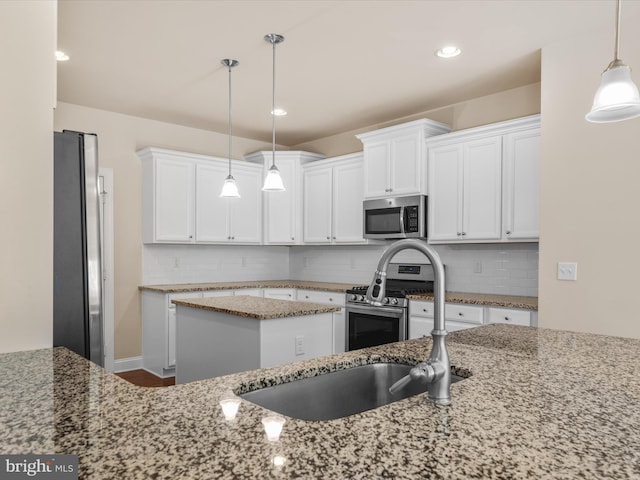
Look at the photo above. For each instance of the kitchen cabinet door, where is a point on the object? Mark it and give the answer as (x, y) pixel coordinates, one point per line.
(173, 212)
(445, 193)
(317, 205)
(348, 192)
(281, 209)
(521, 185)
(211, 210)
(280, 293)
(377, 169)
(245, 213)
(405, 165)
(482, 189)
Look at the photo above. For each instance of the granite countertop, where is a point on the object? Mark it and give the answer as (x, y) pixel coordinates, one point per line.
(508, 301)
(257, 307)
(201, 287)
(539, 404)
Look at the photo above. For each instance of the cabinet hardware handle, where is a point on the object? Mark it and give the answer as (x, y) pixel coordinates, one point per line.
(464, 233)
(424, 309)
(233, 238)
(458, 233)
(292, 238)
(508, 232)
(190, 236)
(460, 314)
(334, 238)
(328, 238)
(507, 319)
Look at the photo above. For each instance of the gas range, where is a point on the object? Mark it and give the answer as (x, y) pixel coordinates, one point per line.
(402, 280)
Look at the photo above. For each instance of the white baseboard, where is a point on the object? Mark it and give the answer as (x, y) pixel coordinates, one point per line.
(127, 364)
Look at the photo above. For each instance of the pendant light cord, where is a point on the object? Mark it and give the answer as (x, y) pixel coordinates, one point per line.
(273, 107)
(229, 119)
(615, 56)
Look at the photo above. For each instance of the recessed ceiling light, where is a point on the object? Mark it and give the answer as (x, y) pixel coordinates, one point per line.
(279, 112)
(61, 56)
(449, 51)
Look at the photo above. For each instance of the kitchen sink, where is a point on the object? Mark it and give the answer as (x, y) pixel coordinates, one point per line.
(338, 394)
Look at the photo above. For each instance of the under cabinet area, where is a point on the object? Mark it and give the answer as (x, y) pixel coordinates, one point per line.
(332, 201)
(181, 203)
(484, 183)
(394, 158)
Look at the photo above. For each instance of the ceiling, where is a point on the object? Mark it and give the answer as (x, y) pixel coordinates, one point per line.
(344, 64)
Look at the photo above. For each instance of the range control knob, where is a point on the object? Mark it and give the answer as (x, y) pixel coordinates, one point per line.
(385, 301)
(394, 301)
(353, 297)
(361, 298)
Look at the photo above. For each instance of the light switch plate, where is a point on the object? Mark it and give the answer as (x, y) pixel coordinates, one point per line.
(567, 271)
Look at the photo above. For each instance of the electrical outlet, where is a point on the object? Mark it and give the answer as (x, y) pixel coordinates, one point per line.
(567, 271)
(477, 267)
(176, 262)
(244, 261)
(300, 345)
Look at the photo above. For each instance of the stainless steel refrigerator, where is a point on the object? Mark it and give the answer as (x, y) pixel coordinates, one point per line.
(77, 262)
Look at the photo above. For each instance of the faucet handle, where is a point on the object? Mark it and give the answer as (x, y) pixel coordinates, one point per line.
(423, 372)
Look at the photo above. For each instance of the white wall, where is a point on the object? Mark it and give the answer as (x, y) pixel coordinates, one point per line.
(590, 190)
(27, 98)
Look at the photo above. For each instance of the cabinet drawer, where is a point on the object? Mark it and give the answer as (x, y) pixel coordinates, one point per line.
(463, 313)
(217, 293)
(421, 308)
(332, 298)
(509, 316)
(420, 326)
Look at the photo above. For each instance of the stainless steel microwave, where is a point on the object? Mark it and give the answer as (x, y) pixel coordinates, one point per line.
(398, 217)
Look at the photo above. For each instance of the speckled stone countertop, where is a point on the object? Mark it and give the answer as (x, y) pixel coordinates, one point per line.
(201, 287)
(508, 301)
(540, 404)
(257, 307)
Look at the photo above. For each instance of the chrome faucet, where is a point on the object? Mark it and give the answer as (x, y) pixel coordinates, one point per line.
(437, 369)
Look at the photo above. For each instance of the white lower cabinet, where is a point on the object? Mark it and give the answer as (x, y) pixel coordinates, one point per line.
(159, 331)
(461, 317)
(509, 316)
(330, 298)
(280, 293)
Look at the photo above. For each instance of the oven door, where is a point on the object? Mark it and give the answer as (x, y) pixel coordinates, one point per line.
(368, 326)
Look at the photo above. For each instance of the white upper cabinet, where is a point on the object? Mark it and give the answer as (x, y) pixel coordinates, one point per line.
(181, 202)
(465, 186)
(484, 183)
(394, 158)
(228, 220)
(282, 217)
(521, 177)
(333, 194)
(168, 197)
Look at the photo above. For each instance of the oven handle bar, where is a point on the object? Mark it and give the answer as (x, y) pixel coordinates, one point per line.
(396, 312)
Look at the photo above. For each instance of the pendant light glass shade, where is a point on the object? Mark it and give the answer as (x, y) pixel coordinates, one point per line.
(273, 181)
(229, 188)
(617, 96)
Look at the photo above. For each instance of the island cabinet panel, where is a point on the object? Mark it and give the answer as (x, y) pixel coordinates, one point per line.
(210, 343)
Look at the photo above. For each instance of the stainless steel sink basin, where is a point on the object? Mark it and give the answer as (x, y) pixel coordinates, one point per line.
(338, 394)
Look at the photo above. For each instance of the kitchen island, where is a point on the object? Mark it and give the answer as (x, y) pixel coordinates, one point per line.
(221, 335)
(538, 404)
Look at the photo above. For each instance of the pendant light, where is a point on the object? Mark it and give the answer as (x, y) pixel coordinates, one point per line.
(617, 96)
(273, 181)
(230, 189)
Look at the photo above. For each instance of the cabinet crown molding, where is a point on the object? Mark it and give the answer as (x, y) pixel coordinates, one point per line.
(498, 128)
(301, 155)
(429, 127)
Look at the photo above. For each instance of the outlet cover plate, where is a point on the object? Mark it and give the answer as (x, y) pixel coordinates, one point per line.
(567, 271)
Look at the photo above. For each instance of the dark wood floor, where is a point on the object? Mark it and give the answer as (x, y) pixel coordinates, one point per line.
(143, 378)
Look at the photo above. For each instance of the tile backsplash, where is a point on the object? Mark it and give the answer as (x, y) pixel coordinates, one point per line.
(507, 269)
